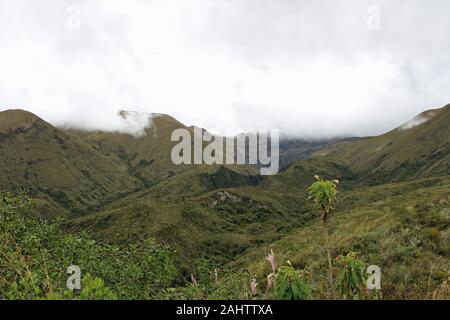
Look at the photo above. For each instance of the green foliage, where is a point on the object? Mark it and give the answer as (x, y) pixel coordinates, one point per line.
(226, 214)
(209, 281)
(94, 289)
(401, 227)
(34, 256)
(351, 279)
(91, 289)
(290, 284)
(323, 194)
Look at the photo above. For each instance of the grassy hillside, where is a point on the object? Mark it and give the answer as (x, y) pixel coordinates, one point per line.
(419, 148)
(68, 175)
(403, 227)
(293, 149)
(215, 212)
(394, 195)
(147, 157)
(222, 212)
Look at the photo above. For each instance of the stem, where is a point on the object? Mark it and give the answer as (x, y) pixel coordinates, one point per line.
(330, 266)
(429, 281)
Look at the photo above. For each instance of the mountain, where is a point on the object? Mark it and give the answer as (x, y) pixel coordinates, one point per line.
(213, 211)
(78, 171)
(231, 215)
(293, 149)
(419, 148)
(81, 172)
(147, 156)
(61, 169)
(394, 194)
(393, 207)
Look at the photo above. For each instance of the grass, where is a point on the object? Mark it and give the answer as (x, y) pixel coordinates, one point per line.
(393, 202)
(402, 227)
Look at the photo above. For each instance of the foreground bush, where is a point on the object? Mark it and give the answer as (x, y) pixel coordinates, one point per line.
(35, 255)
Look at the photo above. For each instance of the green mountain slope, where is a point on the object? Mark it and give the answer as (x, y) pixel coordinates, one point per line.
(293, 149)
(183, 208)
(404, 228)
(419, 148)
(59, 168)
(212, 211)
(393, 192)
(146, 156)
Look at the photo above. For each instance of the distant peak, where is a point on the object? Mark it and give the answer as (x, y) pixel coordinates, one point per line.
(420, 119)
(126, 114)
(18, 113)
(153, 119)
(13, 119)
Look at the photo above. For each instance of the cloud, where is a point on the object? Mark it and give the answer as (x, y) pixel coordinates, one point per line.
(308, 68)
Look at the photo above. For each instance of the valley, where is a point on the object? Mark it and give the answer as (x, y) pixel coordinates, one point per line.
(393, 207)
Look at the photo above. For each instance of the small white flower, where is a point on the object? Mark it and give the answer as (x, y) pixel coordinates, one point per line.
(253, 285)
(271, 258)
(270, 281)
(194, 281)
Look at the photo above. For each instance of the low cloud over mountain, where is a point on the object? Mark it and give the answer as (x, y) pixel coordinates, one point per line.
(339, 68)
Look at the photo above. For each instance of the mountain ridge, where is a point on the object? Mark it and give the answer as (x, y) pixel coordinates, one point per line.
(122, 188)
(144, 161)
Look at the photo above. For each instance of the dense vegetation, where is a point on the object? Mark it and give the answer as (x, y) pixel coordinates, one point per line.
(404, 228)
(35, 254)
(34, 257)
(141, 228)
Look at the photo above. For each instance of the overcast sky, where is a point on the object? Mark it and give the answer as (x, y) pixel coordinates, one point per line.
(309, 68)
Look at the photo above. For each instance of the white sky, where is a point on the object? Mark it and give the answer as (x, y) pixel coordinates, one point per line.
(308, 68)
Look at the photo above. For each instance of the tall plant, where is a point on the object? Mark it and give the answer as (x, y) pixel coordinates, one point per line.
(323, 194)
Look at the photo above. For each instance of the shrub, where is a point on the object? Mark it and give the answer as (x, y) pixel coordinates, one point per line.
(351, 279)
(34, 256)
(290, 284)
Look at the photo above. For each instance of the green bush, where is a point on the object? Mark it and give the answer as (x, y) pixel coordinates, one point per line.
(351, 279)
(290, 284)
(34, 256)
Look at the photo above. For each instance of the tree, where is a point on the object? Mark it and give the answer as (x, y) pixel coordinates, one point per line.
(323, 194)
